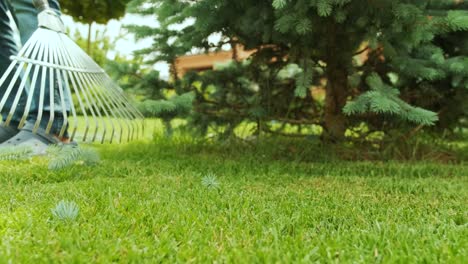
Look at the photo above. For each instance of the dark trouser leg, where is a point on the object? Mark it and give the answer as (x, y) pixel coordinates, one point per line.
(8, 47)
(26, 15)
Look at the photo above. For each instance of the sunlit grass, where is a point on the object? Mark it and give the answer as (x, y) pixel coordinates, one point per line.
(192, 200)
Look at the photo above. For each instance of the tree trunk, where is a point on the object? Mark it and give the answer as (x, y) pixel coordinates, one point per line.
(336, 95)
(173, 71)
(337, 88)
(168, 129)
(88, 48)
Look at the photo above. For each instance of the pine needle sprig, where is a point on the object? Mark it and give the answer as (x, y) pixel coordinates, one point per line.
(279, 4)
(304, 79)
(210, 181)
(383, 99)
(15, 153)
(66, 156)
(66, 211)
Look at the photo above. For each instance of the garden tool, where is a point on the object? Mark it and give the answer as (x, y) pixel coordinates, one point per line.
(50, 67)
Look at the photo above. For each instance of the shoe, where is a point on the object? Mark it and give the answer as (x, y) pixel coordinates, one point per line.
(7, 132)
(38, 142)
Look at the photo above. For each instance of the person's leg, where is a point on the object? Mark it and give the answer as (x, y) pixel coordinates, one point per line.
(8, 47)
(26, 15)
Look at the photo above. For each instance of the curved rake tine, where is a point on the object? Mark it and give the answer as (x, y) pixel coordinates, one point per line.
(118, 93)
(118, 107)
(24, 51)
(109, 104)
(58, 72)
(68, 92)
(40, 110)
(102, 77)
(60, 83)
(33, 86)
(77, 79)
(94, 85)
(98, 77)
(88, 97)
(27, 50)
(52, 51)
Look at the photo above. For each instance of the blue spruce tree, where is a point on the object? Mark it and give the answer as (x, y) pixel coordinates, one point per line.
(372, 54)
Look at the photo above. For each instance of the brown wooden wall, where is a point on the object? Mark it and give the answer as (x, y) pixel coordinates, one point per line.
(200, 62)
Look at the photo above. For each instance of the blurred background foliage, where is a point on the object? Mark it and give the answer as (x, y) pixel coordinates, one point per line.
(336, 70)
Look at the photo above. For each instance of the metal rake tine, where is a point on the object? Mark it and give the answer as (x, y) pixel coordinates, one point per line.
(77, 86)
(120, 93)
(2, 80)
(52, 51)
(40, 110)
(57, 69)
(15, 60)
(68, 95)
(62, 103)
(27, 51)
(109, 84)
(99, 105)
(30, 42)
(64, 59)
(88, 99)
(61, 93)
(91, 104)
(99, 91)
(93, 87)
(82, 106)
(33, 85)
(108, 102)
(86, 61)
(106, 107)
(98, 77)
(116, 108)
(88, 95)
(116, 91)
(90, 63)
(133, 111)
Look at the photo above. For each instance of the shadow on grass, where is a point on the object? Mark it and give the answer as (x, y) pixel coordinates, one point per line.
(268, 157)
(271, 159)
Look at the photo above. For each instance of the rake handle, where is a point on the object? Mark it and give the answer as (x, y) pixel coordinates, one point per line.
(41, 5)
(47, 17)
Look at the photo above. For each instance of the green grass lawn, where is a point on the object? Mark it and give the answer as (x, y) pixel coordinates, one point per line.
(151, 202)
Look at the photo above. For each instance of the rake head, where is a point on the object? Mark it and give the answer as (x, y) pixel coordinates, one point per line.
(53, 77)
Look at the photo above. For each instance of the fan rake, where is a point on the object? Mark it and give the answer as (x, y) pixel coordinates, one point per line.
(51, 65)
